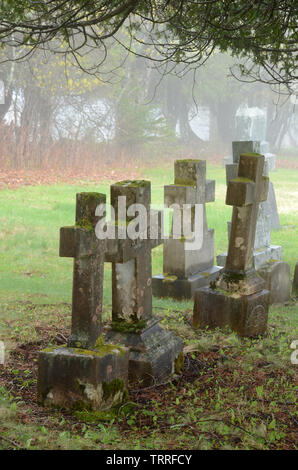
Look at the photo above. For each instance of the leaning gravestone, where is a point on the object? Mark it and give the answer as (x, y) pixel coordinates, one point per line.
(267, 257)
(155, 353)
(85, 372)
(238, 298)
(185, 268)
(263, 250)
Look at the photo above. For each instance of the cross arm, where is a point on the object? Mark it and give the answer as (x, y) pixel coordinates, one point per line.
(240, 192)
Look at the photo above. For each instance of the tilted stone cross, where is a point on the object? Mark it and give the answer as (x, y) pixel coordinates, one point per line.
(81, 243)
(239, 298)
(245, 193)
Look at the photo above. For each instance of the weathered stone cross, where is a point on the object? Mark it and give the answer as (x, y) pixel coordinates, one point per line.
(245, 193)
(153, 351)
(87, 373)
(239, 298)
(188, 265)
(81, 243)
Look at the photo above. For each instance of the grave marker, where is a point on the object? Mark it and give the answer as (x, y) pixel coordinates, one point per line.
(85, 372)
(238, 298)
(185, 269)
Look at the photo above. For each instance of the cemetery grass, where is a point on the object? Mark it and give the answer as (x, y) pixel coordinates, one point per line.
(232, 393)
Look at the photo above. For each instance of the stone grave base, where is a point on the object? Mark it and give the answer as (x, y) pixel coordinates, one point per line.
(76, 378)
(245, 314)
(171, 286)
(155, 353)
(277, 277)
(261, 256)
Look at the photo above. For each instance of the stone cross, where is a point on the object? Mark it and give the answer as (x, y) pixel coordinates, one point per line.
(182, 265)
(81, 243)
(153, 351)
(86, 373)
(245, 193)
(131, 259)
(267, 215)
(239, 298)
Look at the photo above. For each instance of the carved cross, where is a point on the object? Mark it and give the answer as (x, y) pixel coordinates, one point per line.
(80, 242)
(245, 193)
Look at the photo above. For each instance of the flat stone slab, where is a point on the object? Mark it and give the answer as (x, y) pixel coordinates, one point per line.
(245, 314)
(278, 281)
(171, 286)
(154, 353)
(76, 378)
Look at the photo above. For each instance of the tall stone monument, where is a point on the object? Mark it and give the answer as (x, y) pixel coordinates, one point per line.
(186, 266)
(155, 353)
(86, 372)
(238, 298)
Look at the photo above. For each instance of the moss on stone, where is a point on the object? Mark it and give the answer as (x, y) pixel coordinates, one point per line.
(168, 278)
(125, 327)
(85, 224)
(205, 274)
(99, 350)
(110, 389)
(232, 278)
(52, 348)
(133, 183)
(92, 195)
(242, 179)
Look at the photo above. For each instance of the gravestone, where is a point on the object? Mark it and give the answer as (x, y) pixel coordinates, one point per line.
(295, 282)
(267, 257)
(238, 298)
(155, 353)
(268, 218)
(86, 372)
(251, 124)
(187, 266)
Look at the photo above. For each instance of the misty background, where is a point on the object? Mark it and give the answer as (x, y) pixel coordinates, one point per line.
(57, 115)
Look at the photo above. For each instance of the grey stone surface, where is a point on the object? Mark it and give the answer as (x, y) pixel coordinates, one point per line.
(81, 379)
(239, 298)
(171, 286)
(154, 352)
(277, 277)
(181, 265)
(244, 146)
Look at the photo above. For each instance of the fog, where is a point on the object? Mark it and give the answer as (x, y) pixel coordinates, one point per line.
(54, 113)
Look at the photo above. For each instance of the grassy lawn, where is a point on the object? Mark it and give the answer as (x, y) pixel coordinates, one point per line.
(232, 394)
